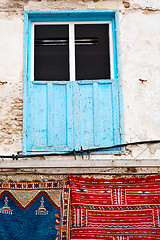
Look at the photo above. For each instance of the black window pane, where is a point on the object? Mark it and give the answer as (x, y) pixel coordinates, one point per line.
(51, 52)
(92, 51)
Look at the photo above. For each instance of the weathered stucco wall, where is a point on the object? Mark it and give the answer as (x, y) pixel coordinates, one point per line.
(140, 58)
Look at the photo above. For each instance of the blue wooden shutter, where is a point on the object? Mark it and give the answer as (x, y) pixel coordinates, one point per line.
(50, 121)
(95, 113)
(67, 115)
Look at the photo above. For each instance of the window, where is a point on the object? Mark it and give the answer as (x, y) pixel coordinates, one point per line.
(74, 51)
(71, 81)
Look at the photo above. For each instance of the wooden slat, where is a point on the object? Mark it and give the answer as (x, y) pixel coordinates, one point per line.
(96, 112)
(50, 115)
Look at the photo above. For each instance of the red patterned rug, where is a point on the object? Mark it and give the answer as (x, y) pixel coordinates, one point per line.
(115, 209)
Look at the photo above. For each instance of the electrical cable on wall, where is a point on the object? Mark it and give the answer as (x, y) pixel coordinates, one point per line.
(79, 152)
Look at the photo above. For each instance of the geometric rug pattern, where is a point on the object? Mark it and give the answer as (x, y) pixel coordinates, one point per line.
(115, 209)
(34, 210)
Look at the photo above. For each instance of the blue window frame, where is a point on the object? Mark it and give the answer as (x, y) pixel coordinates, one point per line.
(72, 82)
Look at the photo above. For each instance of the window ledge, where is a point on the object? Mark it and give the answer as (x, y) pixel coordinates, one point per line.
(83, 163)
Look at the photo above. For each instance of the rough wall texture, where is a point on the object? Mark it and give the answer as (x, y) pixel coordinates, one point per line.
(140, 56)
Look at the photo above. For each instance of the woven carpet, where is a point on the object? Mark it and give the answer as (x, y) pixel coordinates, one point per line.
(34, 210)
(117, 209)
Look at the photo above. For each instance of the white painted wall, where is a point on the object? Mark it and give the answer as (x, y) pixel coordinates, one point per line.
(140, 57)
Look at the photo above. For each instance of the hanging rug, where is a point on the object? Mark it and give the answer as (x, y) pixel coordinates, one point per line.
(34, 210)
(115, 209)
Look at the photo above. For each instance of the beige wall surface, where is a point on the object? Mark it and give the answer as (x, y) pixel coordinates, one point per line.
(140, 60)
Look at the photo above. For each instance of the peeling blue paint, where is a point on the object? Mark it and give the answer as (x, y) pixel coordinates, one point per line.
(62, 116)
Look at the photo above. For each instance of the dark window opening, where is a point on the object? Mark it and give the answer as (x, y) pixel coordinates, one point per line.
(51, 52)
(92, 59)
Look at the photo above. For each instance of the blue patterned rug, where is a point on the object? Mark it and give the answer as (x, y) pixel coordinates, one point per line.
(34, 211)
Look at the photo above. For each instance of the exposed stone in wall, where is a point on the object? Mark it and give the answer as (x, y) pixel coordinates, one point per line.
(145, 4)
(126, 4)
(11, 124)
(18, 6)
(45, 175)
(11, 83)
